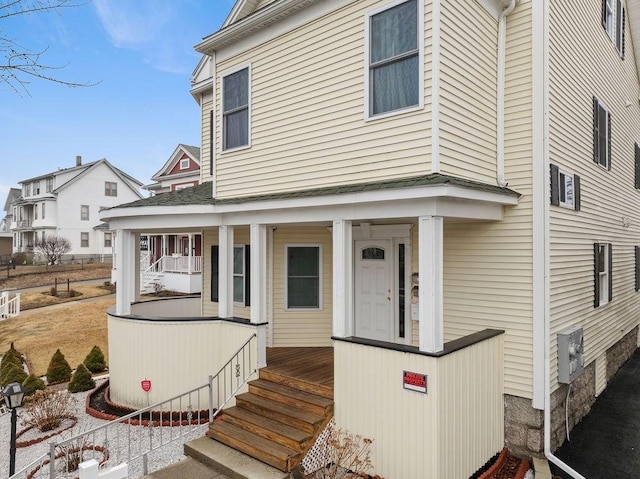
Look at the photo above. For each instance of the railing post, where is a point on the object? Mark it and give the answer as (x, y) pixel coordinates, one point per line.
(210, 399)
(52, 460)
(17, 303)
(4, 305)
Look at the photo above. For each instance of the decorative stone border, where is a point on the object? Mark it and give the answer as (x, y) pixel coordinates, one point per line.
(30, 442)
(154, 419)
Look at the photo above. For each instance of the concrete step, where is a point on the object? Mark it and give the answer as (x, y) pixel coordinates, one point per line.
(187, 468)
(228, 461)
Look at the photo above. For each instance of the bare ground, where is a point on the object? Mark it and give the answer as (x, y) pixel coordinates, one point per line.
(32, 276)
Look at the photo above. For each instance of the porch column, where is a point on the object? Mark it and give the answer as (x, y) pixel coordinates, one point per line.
(225, 275)
(342, 278)
(258, 276)
(190, 255)
(430, 309)
(126, 271)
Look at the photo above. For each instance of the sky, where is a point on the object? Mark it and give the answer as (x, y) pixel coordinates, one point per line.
(139, 57)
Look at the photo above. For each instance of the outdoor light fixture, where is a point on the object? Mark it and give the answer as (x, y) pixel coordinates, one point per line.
(13, 396)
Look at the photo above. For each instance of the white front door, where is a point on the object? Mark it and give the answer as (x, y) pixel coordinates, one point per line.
(374, 296)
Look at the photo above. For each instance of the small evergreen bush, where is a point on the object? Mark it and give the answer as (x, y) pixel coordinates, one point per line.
(32, 384)
(13, 374)
(59, 369)
(95, 360)
(81, 380)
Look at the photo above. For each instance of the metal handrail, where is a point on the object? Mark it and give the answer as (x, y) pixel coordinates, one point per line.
(151, 433)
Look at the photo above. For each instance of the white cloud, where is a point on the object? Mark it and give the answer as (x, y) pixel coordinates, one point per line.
(151, 28)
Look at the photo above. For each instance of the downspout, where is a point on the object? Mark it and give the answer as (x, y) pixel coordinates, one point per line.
(502, 53)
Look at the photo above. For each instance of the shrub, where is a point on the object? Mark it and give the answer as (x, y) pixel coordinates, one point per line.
(95, 360)
(11, 358)
(13, 374)
(59, 369)
(81, 380)
(32, 384)
(45, 410)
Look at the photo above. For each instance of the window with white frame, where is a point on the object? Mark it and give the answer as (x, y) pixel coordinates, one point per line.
(35, 212)
(107, 239)
(84, 240)
(601, 134)
(303, 276)
(184, 164)
(235, 109)
(84, 212)
(27, 189)
(49, 185)
(613, 22)
(42, 210)
(238, 274)
(110, 188)
(565, 188)
(602, 273)
(393, 75)
(36, 187)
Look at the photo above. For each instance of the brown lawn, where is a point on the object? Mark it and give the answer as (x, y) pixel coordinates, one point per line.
(31, 276)
(42, 297)
(73, 327)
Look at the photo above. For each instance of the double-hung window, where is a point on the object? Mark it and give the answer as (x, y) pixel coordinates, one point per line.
(84, 212)
(42, 210)
(303, 276)
(84, 240)
(613, 22)
(603, 290)
(110, 188)
(601, 134)
(49, 185)
(108, 239)
(238, 274)
(235, 109)
(565, 188)
(394, 66)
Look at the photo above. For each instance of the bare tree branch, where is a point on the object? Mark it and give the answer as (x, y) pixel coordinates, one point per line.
(21, 65)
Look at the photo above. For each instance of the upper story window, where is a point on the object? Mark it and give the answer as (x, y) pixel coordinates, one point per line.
(565, 188)
(84, 240)
(613, 21)
(235, 109)
(84, 212)
(107, 239)
(184, 164)
(602, 273)
(42, 210)
(49, 185)
(601, 134)
(394, 66)
(110, 188)
(36, 187)
(26, 190)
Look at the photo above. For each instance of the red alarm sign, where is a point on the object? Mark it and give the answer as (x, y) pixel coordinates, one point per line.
(146, 385)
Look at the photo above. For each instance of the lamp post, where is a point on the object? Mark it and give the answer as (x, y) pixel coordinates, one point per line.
(13, 396)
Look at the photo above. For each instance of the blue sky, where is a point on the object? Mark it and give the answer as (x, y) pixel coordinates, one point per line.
(139, 52)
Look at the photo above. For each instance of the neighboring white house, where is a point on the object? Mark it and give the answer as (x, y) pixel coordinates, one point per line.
(6, 237)
(67, 203)
(445, 194)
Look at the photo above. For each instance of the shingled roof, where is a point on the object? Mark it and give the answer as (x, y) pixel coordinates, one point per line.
(202, 194)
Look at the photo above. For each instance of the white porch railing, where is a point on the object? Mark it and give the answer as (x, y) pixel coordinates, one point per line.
(132, 438)
(182, 264)
(9, 307)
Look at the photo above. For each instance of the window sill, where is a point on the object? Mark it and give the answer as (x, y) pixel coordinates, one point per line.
(393, 113)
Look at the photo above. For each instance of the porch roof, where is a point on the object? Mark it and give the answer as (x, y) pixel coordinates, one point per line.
(202, 194)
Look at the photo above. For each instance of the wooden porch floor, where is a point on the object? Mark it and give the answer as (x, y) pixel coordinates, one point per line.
(312, 365)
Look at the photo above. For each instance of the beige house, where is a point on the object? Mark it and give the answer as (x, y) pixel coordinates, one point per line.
(444, 195)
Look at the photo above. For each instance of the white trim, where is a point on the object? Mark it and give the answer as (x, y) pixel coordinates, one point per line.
(286, 275)
(269, 312)
(212, 133)
(435, 86)
(541, 193)
(244, 275)
(562, 202)
(396, 242)
(258, 272)
(225, 271)
(223, 75)
(606, 167)
(343, 317)
(367, 55)
(430, 292)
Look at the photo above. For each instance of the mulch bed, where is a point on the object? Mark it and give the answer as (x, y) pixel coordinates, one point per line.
(505, 466)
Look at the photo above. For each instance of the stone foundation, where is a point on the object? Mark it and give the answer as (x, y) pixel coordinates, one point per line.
(524, 425)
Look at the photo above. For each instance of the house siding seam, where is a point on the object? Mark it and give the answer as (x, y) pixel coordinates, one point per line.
(584, 64)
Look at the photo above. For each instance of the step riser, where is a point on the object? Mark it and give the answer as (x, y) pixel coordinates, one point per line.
(250, 450)
(312, 388)
(289, 401)
(265, 411)
(267, 434)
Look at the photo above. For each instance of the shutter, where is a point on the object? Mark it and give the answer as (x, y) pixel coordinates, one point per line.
(604, 14)
(247, 275)
(576, 192)
(619, 26)
(624, 15)
(596, 276)
(596, 133)
(637, 166)
(609, 141)
(637, 248)
(215, 273)
(555, 187)
(610, 272)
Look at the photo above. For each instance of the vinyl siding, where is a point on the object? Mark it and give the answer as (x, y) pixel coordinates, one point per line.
(296, 327)
(307, 99)
(584, 63)
(205, 149)
(468, 91)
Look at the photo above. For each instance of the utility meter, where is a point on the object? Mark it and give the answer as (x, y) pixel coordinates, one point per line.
(570, 354)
